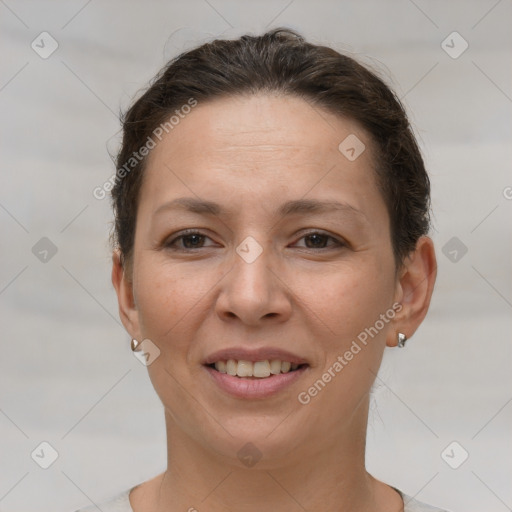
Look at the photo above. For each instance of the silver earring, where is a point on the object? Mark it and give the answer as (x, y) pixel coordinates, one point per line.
(402, 338)
(135, 345)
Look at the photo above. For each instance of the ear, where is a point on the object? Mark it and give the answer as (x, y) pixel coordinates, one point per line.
(123, 285)
(414, 289)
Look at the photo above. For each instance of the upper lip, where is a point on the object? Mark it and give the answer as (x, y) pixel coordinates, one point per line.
(260, 354)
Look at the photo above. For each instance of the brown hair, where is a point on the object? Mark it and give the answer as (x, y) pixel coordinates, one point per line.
(282, 61)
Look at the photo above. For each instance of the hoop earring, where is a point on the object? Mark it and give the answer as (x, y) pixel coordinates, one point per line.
(402, 338)
(135, 345)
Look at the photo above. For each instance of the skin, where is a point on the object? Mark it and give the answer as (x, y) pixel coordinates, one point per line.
(308, 295)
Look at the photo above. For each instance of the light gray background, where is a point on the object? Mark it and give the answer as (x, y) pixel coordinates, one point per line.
(67, 374)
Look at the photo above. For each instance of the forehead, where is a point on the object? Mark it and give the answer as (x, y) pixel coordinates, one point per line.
(261, 144)
(262, 123)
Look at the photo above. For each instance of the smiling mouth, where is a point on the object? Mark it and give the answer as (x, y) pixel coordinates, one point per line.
(255, 370)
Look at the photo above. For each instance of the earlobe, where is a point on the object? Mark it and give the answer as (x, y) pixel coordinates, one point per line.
(124, 289)
(414, 289)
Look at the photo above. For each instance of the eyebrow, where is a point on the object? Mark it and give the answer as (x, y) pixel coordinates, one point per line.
(294, 207)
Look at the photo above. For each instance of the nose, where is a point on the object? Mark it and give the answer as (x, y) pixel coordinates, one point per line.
(255, 292)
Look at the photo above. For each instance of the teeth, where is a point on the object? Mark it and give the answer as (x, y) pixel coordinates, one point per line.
(244, 369)
(259, 369)
(275, 366)
(231, 367)
(221, 366)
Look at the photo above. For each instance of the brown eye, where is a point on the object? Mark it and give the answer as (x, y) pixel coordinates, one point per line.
(318, 240)
(187, 241)
(192, 241)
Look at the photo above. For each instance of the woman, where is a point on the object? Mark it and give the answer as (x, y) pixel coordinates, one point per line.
(271, 220)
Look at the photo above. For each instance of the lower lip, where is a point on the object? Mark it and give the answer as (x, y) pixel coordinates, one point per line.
(254, 388)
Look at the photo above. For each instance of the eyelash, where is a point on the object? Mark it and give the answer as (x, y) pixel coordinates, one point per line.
(169, 244)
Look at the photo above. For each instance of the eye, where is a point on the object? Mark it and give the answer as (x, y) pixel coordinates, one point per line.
(318, 240)
(188, 240)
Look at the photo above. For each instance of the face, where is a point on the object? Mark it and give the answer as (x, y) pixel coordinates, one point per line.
(258, 239)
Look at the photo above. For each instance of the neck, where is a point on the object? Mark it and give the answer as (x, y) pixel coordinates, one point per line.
(327, 474)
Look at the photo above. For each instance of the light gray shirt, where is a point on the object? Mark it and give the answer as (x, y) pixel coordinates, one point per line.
(121, 503)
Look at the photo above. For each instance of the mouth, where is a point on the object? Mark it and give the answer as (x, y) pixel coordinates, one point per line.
(254, 374)
(264, 369)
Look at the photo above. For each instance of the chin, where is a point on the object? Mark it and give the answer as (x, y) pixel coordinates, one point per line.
(256, 440)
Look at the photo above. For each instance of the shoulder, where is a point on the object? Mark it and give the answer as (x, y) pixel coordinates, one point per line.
(118, 503)
(121, 503)
(413, 505)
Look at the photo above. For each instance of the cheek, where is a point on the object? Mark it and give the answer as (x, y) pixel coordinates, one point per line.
(350, 303)
(349, 297)
(167, 294)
